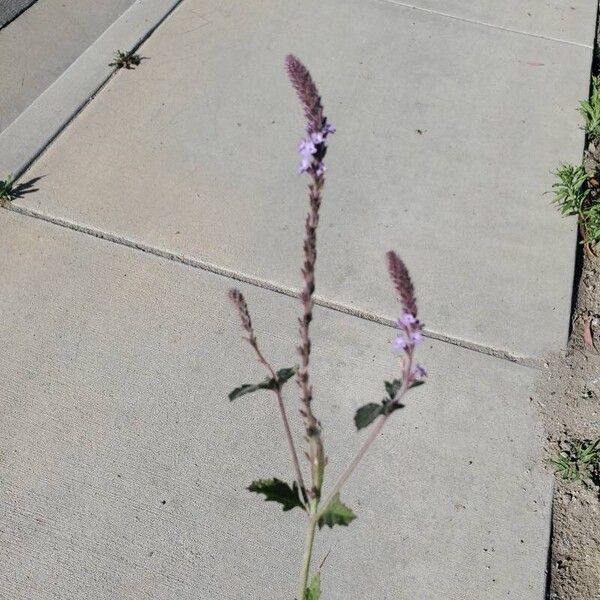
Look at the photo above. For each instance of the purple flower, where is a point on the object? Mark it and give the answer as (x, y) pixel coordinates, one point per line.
(320, 169)
(416, 337)
(407, 320)
(327, 130)
(304, 166)
(400, 343)
(306, 148)
(317, 137)
(419, 372)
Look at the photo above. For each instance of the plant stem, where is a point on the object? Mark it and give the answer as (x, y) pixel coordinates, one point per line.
(308, 548)
(406, 369)
(284, 418)
(292, 447)
(349, 470)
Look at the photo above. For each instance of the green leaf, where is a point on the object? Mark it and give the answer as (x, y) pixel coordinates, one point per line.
(337, 513)
(366, 414)
(392, 387)
(313, 591)
(276, 490)
(416, 383)
(284, 374)
(248, 388)
(268, 384)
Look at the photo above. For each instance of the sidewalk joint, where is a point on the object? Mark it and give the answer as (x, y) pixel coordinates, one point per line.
(484, 24)
(526, 361)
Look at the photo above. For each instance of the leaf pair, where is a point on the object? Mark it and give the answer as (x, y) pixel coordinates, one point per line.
(268, 384)
(275, 490)
(366, 414)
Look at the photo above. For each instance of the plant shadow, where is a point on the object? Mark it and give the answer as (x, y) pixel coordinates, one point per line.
(26, 187)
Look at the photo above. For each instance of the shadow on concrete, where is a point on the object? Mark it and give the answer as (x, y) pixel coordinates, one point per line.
(26, 187)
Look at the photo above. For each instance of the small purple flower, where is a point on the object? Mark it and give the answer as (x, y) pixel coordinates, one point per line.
(407, 320)
(304, 166)
(306, 148)
(320, 169)
(328, 129)
(400, 343)
(419, 372)
(416, 337)
(317, 137)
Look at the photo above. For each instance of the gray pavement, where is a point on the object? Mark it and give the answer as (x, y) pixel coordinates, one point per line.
(115, 400)
(38, 46)
(571, 21)
(117, 358)
(464, 201)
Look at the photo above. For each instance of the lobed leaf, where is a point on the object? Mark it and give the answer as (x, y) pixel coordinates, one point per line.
(337, 513)
(276, 490)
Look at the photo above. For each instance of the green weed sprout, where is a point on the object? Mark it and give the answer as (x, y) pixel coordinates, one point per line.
(125, 60)
(590, 110)
(6, 189)
(572, 197)
(579, 462)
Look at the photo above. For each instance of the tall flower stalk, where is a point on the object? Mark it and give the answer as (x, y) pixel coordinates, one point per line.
(306, 492)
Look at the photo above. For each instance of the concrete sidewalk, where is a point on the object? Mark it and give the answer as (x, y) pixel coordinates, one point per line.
(39, 45)
(449, 126)
(115, 400)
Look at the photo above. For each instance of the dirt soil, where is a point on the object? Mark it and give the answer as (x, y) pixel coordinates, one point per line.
(568, 397)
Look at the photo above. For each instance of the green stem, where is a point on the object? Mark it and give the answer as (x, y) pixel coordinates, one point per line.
(308, 548)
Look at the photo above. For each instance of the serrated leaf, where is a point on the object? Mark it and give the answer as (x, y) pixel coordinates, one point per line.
(313, 591)
(416, 383)
(366, 414)
(268, 384)
(276, 490)
(392, 387)
(337, 513)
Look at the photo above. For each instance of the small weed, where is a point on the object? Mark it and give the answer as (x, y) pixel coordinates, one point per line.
(590, 110)
(6, 190)
(579, 461)
(572, 197)
(125, 60)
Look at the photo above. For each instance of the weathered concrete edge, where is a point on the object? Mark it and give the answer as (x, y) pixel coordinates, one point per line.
(12, 10)
(531, 362)
(39, 124)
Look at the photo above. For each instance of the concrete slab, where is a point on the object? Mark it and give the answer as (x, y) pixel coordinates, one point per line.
(27, 136)
(124, 466)
(447, 135)
(37, 47)
(572, 21)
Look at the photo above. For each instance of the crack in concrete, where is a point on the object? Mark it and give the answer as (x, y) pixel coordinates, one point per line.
(484, 24)
(526, 361)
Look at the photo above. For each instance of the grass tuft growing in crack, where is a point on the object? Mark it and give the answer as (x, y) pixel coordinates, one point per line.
(573, 195)
(125, 60)
(579, 461)
(6, 190)
(590, 110)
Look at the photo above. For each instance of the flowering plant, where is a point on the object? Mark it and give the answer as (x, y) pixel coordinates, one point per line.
(307, 493)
